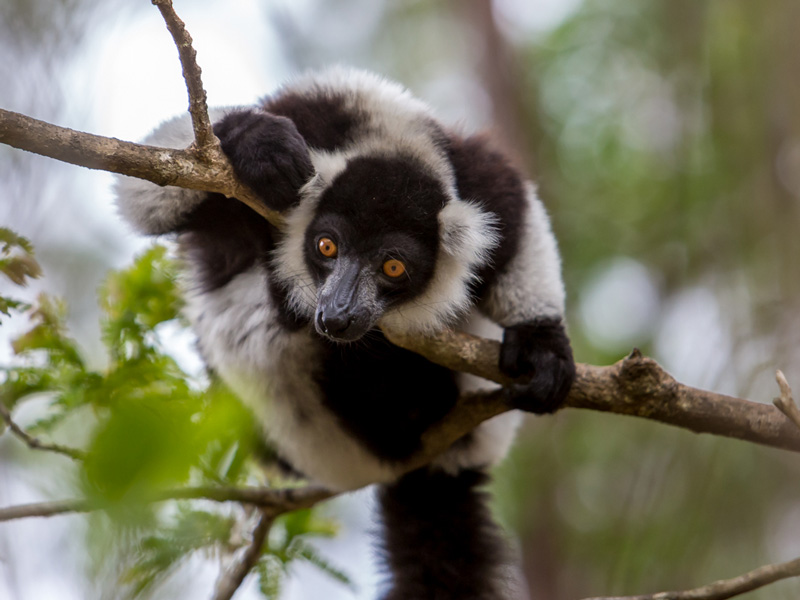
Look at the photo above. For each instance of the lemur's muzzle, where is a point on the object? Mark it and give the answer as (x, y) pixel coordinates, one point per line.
(347, 306)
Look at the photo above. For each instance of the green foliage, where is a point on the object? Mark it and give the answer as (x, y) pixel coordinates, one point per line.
(289, 541)
(152, 428)
(160, 554)
(18, 264)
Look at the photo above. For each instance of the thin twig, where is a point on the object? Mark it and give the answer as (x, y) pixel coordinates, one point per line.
(725, 588)
(276, 500)
(232, 578)
(785, 402)
(204, 136)
(46, 509)
(35, 443)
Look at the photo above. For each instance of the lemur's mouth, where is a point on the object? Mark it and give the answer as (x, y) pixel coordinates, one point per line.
(341, 327)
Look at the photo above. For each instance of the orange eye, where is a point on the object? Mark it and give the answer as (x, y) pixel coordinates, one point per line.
(327, 247)
(394, 268)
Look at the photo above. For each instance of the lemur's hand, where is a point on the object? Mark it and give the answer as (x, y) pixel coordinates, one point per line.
(540, 355)
(267, 153)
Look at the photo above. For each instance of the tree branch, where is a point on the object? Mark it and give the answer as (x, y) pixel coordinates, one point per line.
(232, 578)
(725, 588)
(35, 443)
(785, 402)
(277, 501)
(205, 141)
(162, 166)
(636, 386)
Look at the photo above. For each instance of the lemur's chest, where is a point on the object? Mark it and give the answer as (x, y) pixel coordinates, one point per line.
(279, 374)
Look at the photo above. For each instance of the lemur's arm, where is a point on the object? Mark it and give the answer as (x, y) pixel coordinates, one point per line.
(527, 299)
(266, 152)
(523, 290)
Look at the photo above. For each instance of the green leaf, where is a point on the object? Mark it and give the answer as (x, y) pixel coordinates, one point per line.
(137, 299)
(303, 550)
(18, 267)
(145, 444)
(158, 555)
(270, 576)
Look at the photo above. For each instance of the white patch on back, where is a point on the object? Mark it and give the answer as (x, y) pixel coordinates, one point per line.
(153, 209)
(531, 285)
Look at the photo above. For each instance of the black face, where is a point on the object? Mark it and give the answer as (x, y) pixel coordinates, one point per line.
(373, 243)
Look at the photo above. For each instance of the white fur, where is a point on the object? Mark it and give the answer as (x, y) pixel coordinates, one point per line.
(467, 236)
(492, 439)
(531, 285)
(395, 123)
(290, 264)
(271, 371)
(153, 209)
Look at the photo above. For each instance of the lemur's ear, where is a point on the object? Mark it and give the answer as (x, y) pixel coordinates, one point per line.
(467, 232)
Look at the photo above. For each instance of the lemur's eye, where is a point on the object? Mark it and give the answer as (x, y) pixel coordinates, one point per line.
(327, 247)
(394, 268)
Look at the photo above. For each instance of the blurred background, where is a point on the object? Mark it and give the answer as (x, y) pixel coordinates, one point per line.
(665, 139)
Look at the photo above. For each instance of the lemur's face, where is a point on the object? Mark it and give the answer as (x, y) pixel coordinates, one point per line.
(372, 244)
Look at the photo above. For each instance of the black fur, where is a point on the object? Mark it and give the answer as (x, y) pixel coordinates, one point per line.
(539, 350)
(267, 153)
(487, 175)
(441, 542)
(225, 238)
(323, 121)
(399, 394)
(379, 209)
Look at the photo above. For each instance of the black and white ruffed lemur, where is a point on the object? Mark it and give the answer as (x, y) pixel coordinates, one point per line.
(393, 220)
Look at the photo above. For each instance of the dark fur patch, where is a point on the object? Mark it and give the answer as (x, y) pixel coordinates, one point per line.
(322, 120)
(377, 209)
(486, 175)
(384, 395)
(267, 153)
(224, 238)
(441, 542)
(541, 351)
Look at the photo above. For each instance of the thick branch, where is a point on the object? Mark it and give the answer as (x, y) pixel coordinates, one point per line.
(635, 386)
(162, 166)
(726, 588)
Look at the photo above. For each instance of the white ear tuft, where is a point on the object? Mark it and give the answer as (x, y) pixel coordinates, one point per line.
(468, 233)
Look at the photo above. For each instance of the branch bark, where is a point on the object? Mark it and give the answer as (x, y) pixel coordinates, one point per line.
(207, 172)
(636, 386)
(725, 588)
(277, 501)
(232, 578)
(35, 443)
(205, 141)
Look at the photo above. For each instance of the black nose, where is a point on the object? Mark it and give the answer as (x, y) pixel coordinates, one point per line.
(333, 324)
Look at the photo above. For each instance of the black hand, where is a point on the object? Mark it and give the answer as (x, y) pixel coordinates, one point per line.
(541, 351)
(267, 153)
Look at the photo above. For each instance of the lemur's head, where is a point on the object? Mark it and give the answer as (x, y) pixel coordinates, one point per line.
(382, 239)
(381, 236)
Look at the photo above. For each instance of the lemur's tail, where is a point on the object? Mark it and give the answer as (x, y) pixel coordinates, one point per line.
(440, 540)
